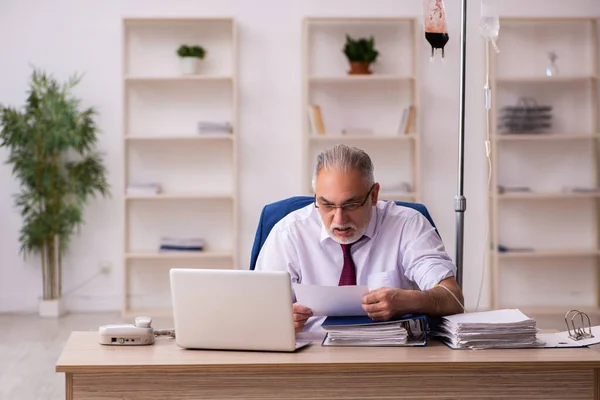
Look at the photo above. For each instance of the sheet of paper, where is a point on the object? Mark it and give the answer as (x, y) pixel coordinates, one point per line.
(503, 316)
(331, 300)
(552, 340)
(584, 342)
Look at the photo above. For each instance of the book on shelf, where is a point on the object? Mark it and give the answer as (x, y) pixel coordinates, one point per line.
(506, 249)
(513, 189)
(181, 244)
(315, 118)
(407, 121)
(214, 127)
(143, 188)
(580, 189)
(357, 131)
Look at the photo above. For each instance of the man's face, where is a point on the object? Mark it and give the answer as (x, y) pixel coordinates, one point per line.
(344, 202)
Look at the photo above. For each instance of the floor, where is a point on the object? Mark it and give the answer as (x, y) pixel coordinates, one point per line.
(32, 345)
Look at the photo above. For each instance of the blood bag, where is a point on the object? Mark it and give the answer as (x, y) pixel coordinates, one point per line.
(436, 31)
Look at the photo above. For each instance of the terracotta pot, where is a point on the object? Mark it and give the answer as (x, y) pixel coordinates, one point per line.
(359, 68)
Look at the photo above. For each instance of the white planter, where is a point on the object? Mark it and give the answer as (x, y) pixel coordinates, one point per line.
(52, 308)
(189, 65)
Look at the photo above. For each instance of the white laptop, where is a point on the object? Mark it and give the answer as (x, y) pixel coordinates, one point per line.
(233, 310)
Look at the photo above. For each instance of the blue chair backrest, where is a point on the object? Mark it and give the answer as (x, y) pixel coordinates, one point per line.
(272, 213)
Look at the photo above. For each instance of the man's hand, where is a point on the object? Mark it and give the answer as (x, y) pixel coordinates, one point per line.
(301, 315)
(386, 303)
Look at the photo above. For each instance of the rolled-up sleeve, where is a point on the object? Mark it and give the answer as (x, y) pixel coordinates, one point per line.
(423, 255)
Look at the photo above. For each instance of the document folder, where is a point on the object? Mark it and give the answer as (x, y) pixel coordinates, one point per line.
(409, 330)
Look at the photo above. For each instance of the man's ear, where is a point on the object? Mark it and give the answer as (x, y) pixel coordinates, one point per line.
(375, 194)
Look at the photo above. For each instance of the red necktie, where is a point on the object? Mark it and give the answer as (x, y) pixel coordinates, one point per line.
(348, 276)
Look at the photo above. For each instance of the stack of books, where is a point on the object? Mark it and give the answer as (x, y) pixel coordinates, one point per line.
(363, 331)
(214, 127)
(507, 328)
(181, 244)
(143, 188)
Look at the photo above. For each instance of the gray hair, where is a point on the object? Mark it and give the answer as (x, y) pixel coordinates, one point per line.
(344, 158)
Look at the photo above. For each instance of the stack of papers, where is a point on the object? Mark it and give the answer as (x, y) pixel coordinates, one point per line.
(363, 331)
(508, 328)
(385, 334)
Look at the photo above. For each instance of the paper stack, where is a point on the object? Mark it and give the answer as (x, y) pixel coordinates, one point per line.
(363, 331)
(507, 328)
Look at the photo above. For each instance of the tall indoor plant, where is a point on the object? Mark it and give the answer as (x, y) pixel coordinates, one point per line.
(51, 147)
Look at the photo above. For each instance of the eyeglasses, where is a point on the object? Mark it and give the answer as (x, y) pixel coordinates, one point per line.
(345, 207)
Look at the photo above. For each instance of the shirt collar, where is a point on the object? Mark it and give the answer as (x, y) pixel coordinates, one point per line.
(370, 232)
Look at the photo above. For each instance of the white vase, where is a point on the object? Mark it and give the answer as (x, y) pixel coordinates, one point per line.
(189, 65)
(52, 308)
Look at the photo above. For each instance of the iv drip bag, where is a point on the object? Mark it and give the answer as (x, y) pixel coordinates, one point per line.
(436, 31)
(489, 24)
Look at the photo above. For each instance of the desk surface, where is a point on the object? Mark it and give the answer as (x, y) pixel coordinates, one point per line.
(83, 353)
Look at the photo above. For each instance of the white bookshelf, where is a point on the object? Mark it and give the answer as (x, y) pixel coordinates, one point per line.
(197, 171)
(374, 102)
(551, 232)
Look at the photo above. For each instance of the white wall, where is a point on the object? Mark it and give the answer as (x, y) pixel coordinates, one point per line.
(63, 36)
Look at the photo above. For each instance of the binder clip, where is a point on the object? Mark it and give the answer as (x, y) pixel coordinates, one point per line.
(415, 329)
(579, 332)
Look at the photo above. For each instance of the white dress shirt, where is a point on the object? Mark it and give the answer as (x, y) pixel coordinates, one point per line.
(399, 249)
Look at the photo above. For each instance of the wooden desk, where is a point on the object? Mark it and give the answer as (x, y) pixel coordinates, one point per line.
(165, 371)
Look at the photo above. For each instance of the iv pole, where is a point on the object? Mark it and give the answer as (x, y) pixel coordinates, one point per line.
(460, 202)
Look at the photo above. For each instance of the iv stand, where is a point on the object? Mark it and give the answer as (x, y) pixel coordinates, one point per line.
(460, 202)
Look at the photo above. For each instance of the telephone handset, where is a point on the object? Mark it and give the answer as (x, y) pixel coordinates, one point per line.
(140, 333)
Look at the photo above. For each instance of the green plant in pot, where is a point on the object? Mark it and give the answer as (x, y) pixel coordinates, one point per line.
(189, 56)
(361, 53)
(51, 146)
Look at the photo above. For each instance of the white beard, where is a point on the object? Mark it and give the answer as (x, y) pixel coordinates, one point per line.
(358, 233)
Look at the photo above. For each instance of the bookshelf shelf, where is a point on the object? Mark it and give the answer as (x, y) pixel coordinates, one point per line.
(545, 79)
(360, 78)
(181, 196)
(198, 137)
(333, 100)
(180, 154)
(179, 255)
(175, 78)
(546, 196)
(558, 216)
(566, 253)
(363, 137)
(545, 136)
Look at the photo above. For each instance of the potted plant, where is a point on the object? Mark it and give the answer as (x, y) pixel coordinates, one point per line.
(361, 53)
(51, 147)
(189, 56)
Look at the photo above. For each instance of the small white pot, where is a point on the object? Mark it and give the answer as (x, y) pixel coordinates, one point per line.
(52, 308)
(189, 65)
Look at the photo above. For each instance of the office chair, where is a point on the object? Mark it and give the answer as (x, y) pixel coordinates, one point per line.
(272, 213)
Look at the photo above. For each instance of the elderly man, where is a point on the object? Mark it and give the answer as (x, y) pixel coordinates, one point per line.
(349, 237)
